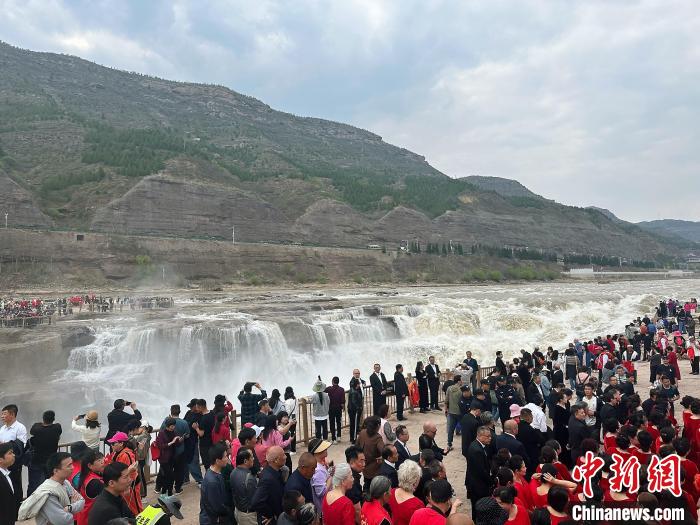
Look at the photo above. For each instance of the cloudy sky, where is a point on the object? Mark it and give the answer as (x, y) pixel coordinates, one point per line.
(589, 103)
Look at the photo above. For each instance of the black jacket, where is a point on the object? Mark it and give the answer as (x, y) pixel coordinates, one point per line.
(607, 411)
(513, 445)
(578, 431)
(533, 395)
(557, 377)
(268, 498)
(118, 419)
(400, 386)
(426, 442)
(432, 375)
(478, 476)
(533, 440)
(390, 473)
(8, 502)
(403, 455)
(469, 425)
(377, 385)
(107, 507)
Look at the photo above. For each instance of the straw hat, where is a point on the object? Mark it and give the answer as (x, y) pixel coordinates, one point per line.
(319, 386)
(91, 416)
(316, 445)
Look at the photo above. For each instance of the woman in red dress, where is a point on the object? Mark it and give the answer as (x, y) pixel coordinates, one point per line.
(557, 501)
(337, 507)
(517, 514)
(403, 503)
(373, 511)
(541, 484)
(517, 465)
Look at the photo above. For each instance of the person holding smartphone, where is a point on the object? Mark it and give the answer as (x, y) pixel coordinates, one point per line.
(90, 431)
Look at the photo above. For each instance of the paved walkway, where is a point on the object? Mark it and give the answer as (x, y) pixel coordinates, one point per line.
(455, 463)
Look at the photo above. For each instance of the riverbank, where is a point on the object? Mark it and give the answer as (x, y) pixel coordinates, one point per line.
(49, 260)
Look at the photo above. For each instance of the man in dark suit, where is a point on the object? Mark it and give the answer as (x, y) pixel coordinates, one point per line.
(400, 391)
(433, 373)
(379, 386)
(401, 445)
(534, 392)
(427, 440)
(388, 467)
(470, 422)
(557, 375)
(267, 500)
(510, 441)
(478, 475)
(8, 501)
(578, 430)
(531, 438)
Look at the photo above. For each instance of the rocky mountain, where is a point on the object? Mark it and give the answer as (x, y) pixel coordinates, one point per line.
(688, 230)
(84, 146)
(505, 187)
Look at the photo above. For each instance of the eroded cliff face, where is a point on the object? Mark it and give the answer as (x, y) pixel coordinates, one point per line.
(19, 205)
(168, 206)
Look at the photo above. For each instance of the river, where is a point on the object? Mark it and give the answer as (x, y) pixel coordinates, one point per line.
(213, 343)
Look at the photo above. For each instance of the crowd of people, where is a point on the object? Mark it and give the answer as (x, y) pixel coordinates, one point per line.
(18, 308)
(519, 469)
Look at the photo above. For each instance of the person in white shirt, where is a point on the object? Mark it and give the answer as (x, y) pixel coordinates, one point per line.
(14, 431)
(90, 431)
(539, 420)
(591, 402)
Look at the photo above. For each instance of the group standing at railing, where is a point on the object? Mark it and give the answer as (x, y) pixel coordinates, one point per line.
(524, 473)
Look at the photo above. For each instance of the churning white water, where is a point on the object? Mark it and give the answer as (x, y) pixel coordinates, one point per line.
(205, 349)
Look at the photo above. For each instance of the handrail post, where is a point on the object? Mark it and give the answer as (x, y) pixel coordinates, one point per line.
(304, 421)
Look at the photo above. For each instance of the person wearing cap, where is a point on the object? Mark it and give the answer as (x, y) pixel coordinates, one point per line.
(506, 396)
(320, 405)
(191, 453)
(44, 440)
(160, 513)
(122, 453)
(118, 419)
(90, 431)
(470, 422)
(267, 500)
(440, 505)
(321, 480)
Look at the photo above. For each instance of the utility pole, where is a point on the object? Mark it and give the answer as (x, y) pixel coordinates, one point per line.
(163, 267)
(233, 235)
(5, 220)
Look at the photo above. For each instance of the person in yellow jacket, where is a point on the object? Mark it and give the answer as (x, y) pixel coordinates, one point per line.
(161, 512)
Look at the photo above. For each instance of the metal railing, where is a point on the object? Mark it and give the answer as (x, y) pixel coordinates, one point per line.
(305, 430)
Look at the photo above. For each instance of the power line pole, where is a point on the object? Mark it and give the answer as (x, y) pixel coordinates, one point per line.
(233, 235)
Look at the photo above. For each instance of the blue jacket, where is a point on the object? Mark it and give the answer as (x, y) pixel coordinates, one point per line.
(215, 500)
